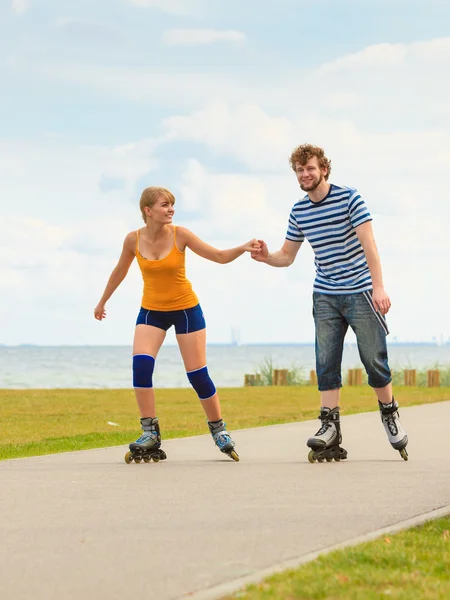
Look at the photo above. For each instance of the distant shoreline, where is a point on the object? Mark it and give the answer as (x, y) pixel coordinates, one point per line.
(215, 344)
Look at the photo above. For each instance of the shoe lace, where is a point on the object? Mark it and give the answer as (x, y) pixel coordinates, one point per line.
(324, 427)
(390, 421)
(222, 438)
(145, 437)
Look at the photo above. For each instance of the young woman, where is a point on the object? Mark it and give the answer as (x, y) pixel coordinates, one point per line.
(168, 299)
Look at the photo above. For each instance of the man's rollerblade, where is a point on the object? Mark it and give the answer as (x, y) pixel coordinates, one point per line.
(222, 439)
(148, 446)
(325, 444)
(395, 432)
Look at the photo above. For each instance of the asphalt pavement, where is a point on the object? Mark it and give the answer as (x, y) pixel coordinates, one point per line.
(87, 526)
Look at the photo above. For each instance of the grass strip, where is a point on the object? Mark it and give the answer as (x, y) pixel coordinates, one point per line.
(35, 422)
(410, 565)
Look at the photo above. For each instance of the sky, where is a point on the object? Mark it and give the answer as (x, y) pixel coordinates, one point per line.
(208, 98)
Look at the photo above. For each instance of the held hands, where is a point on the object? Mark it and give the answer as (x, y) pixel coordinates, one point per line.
(381, 300)
(99, 312)
(261, 252)
(251, 246)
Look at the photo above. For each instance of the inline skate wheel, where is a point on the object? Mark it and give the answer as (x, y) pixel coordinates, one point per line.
(234, 455)
(320, 460)
(311, 456)
(328, 459)
(147, 459)
(137, 459)
(128, 458)
(156, 458)
(404, 454)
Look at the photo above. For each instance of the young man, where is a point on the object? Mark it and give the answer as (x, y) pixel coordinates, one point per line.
(348, 290)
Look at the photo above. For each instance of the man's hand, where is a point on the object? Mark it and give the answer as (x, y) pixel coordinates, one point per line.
(381, 300)
(261, 254)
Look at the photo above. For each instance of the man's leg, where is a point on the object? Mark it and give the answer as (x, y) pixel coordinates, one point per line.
(331, 328)
(371, 330)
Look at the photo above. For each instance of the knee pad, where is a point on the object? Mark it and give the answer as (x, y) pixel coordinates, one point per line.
(143, 365)
(202, 383)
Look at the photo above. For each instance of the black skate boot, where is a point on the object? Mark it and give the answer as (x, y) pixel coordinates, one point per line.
(394, 429)
(325, 445)
(223, 439)
(148, 446)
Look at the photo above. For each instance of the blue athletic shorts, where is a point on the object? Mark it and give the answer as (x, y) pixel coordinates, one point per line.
(185, 321)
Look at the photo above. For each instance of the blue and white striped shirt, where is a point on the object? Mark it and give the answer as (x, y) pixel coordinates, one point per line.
(329, 226)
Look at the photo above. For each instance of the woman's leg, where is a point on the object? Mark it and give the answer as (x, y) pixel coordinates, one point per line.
(146, 345)
(193, 351)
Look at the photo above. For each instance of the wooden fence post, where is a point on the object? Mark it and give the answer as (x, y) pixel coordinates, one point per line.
(355, 377)
(280, 376)
(410, 376)
(434, 378)
(249, 379)
(312, 378)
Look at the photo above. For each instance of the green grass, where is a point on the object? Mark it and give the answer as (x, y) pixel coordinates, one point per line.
(411, 565)
(34, 422)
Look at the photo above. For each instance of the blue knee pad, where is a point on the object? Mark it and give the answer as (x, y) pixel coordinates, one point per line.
(143, 365)
(202, 383)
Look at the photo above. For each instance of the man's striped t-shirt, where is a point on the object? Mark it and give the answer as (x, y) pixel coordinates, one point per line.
(329, 226)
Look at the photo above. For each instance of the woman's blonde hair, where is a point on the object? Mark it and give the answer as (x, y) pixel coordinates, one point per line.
(150, 195)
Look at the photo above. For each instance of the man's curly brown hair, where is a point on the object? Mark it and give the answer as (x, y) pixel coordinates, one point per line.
(303, 153)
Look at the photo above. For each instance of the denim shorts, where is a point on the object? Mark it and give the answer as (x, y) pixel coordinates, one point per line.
(332, 316)
(185, 321)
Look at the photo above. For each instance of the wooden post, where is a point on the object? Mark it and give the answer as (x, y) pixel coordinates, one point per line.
(280, 376)
(355, 377)
(249, 379)
(312, 378)
(434, 378)
(350, 377)
(410, 376)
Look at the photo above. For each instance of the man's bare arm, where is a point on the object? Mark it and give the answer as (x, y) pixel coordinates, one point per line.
(281, 258)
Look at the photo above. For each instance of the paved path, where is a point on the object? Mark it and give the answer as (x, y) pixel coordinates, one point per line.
(86, 526)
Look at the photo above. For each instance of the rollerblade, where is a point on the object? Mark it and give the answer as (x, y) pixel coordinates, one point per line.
(325, 445)
(148, 446)
(395, 432)
(222, 439)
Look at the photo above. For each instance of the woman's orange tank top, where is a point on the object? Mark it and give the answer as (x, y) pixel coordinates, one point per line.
(165, 285)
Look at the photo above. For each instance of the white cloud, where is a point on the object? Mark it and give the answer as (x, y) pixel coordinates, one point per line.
(198, 37)
(181, 7)
(220, 126)
(20, 6)
(386, 56)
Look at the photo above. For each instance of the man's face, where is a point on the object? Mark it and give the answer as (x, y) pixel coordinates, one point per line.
(310, 176)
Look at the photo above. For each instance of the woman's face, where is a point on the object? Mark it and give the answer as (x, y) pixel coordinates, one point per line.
(162, 211)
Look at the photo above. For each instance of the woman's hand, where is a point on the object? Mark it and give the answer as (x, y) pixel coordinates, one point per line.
(99, 312)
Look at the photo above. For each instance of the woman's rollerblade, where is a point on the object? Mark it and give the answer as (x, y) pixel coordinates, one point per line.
(325, 444)
(148, 446)
(222, 439)
(395, 432)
